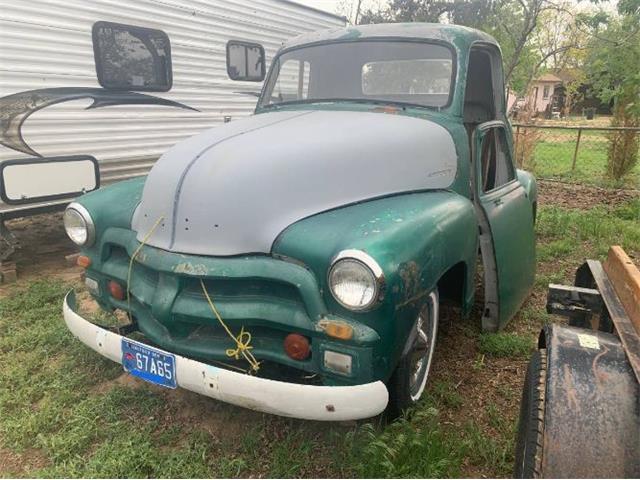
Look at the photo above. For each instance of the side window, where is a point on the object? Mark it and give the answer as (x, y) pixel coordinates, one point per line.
(484, 98)
(495, 163)
(132, 58)
(293, 81)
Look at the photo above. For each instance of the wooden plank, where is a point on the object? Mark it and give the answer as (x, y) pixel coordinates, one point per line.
(625, 278)
(623, 326)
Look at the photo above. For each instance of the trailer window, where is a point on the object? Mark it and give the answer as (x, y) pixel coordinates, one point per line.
(245, 61)
(132, 58)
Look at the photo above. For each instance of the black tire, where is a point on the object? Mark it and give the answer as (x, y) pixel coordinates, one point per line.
(529, 443)
(402, 391)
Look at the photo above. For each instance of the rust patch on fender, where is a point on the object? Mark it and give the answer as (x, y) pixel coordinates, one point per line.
(409, 273)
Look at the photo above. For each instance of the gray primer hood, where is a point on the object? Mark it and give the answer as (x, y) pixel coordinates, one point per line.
(232, 189)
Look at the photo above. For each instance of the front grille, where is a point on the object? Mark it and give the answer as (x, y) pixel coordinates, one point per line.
(172, 309)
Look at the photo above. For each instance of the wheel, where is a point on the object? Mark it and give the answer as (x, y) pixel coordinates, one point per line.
(408, 380)
(531, 424)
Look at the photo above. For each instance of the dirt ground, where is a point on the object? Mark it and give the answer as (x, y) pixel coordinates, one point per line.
(43, 248)
(572, 195)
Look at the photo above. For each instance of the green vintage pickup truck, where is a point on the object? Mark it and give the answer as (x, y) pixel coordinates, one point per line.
(293, 261)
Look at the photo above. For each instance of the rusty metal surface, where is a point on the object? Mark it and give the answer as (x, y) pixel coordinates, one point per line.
(592, 413)
(580, 305)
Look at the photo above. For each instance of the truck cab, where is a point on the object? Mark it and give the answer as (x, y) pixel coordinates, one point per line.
(294, 261)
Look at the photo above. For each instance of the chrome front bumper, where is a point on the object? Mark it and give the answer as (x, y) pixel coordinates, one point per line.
(307, 402)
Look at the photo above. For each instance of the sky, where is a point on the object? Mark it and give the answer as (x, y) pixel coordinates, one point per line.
(347, 7)
(341, 7)
(330, 6)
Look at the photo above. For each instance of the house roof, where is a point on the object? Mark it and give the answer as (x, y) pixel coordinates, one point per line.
(549, 77)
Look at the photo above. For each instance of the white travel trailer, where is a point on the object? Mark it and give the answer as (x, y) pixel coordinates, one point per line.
(94, 91)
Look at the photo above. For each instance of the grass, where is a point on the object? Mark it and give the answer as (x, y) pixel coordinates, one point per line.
(506, 344)
(562, 233)
(65, 413)
(417, 448)
(553, 158)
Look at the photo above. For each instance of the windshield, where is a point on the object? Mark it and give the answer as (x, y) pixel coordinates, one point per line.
(417, 73)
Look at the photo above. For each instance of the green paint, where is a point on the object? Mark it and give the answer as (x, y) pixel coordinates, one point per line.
(509, 213)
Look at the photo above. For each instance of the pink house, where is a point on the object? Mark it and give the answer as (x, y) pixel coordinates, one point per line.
(541, 91)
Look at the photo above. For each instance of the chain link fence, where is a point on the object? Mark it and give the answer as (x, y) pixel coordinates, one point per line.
(578, 153)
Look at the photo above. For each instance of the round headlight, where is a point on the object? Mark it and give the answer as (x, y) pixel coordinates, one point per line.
(355, 279)
(79, 225)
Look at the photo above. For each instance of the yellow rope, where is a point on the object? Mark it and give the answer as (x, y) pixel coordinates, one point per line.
(243, 339)
(133, 257)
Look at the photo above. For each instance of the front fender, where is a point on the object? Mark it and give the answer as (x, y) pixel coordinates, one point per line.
(113, 206)
(530, 185)
(415, 238)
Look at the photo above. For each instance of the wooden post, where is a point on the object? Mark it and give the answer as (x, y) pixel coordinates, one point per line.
(575, 153)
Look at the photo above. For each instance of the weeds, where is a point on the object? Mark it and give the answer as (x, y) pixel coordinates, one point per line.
(588, 231)
(505, 344)
(418, 448)
(446, 394)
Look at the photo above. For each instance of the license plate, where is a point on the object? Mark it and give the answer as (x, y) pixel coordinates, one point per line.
(148, 363)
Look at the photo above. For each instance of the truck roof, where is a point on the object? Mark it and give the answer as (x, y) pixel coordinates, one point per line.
(455, 34)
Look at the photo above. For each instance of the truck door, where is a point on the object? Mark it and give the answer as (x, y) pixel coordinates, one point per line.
(505, 215)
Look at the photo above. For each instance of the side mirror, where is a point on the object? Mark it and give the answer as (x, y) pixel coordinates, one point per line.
(245, 61)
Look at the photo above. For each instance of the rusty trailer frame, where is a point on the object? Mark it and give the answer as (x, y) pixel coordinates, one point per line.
(588, 391)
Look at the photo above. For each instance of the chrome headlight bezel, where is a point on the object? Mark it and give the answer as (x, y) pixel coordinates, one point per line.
(88, 224)
(377, 277)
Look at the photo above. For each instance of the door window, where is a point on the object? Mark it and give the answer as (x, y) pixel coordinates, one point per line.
(495, 162)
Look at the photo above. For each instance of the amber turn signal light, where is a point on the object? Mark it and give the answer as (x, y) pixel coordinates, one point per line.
(116, 290)
(83, 261)
(297, 346)
(338, 330)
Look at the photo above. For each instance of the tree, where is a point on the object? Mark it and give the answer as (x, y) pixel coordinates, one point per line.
(612, 66)
(462, 12)
(511, 22)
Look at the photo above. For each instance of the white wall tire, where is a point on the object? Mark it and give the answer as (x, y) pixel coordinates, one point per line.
(408, 382)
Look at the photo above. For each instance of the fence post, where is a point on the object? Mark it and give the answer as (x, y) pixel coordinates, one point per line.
(575, 153)
(515, 146)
